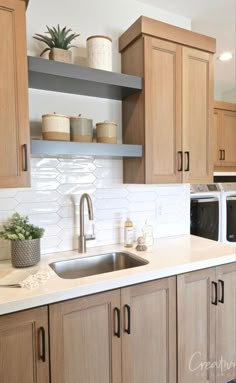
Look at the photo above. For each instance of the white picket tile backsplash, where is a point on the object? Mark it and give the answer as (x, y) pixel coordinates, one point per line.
(53, 202)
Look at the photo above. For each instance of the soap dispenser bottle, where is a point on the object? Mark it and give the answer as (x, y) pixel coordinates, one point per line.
(129, 233)
(148, 234)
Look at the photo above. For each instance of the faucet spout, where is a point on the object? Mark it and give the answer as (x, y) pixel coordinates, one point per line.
(82, 237)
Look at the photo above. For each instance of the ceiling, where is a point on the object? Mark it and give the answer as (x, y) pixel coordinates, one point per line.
(216, 18)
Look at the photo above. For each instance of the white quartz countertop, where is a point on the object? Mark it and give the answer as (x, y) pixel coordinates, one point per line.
(169, 256)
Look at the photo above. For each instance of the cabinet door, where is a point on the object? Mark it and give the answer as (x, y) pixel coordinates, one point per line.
(24, 347)
(226, 324)
(82, 342)
(163, 137)
(229, 137)
(149, 332)
(197, 115)
(196, 326)
(218, 144)
(14, 122)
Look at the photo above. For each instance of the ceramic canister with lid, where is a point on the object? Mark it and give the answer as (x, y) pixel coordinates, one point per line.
(106, 132)
(55, 127)
(81, 129)
(99, 52)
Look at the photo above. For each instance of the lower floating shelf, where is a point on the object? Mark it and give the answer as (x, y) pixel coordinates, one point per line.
(68, 148)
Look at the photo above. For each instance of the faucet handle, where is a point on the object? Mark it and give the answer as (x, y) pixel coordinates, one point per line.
(90, 237)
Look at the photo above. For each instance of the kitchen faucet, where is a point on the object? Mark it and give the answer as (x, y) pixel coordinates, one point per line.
(82, 237)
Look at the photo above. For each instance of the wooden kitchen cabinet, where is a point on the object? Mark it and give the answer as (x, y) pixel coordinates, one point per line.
(126, 335)
(14, 120)
(206, 307)
(226, 323)
(24, 347)
(172, 116)
(225, 135)
(84, 347)
(149, 332)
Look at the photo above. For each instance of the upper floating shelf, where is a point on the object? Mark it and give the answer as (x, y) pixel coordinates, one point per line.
(76, 79)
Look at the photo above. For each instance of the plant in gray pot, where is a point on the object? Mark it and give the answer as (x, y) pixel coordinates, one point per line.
(25, 240)
(59, 42)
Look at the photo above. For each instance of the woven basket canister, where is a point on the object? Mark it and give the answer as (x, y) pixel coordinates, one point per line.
(55, 127)
(25, 253)
(99, 52)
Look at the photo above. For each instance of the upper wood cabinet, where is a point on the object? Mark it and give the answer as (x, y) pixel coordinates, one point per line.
(14, 120)
(24, 347)
(172, 116)
(225, 135)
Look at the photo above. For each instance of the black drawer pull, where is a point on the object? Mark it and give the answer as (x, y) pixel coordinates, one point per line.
(222, 285)
(117, 313)
(43, 344)
(215, 300)
(128, 328)
(180, 169)
(25, 168)
(188, 161)
(223, 155)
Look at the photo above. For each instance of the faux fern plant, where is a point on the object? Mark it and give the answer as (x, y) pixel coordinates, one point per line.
(56, 38)
(19, 229)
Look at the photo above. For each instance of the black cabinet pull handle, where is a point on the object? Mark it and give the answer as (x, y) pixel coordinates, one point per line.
(180, 169)
(25, 168)
(188, 161)
(215, 300)
(222, 285)
(117, 313)
(223, 155)
(43, 344)
(128, 328)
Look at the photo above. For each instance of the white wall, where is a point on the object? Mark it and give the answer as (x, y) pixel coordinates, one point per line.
(56, 183)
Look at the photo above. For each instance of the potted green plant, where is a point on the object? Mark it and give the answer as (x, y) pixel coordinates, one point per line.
(59, 42)
(25, 240)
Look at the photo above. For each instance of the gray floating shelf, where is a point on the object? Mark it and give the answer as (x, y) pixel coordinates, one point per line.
(64, 148)
(76, 79)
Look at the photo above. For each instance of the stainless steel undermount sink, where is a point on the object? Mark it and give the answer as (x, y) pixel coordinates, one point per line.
(96, 264)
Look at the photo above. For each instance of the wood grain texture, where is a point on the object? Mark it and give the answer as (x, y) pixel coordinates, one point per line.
(196, 326)
(20, 345)
(14, 120)
(163, 131)
(226, 325)
(228, 137)
(149, 352)
(83, 345)
(155, 28)
(133, 114)
(224, 105)
(197, 115)
(217, 117)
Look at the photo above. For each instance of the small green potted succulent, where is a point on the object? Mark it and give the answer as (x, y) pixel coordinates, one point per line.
(25, 240)
(59, 42)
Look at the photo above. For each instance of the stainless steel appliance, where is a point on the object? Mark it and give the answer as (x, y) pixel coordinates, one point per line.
(206, 211)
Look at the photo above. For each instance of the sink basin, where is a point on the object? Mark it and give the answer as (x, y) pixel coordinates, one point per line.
(97, 264)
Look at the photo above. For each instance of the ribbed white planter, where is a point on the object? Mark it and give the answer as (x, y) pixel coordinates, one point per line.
(99, 52)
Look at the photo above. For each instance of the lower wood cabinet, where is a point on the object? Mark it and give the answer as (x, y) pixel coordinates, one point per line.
(206, 307)
(126, 335)
(24, 354)
(136, 334)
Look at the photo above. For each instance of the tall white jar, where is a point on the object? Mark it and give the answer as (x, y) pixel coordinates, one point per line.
(99, 52)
